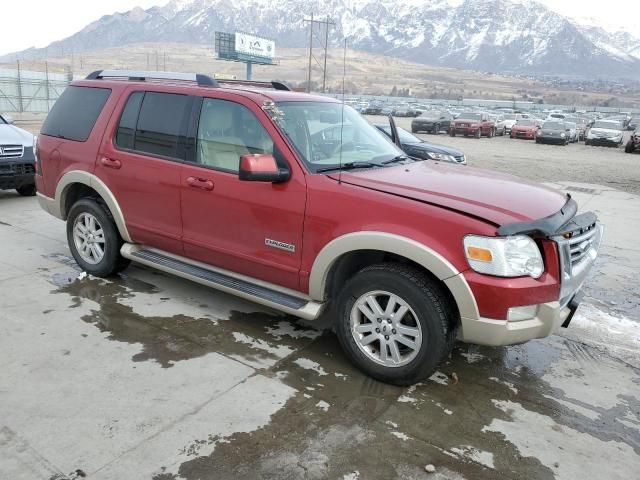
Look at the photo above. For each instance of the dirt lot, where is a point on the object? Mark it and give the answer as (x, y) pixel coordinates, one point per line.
(544, 163)
(148, 376)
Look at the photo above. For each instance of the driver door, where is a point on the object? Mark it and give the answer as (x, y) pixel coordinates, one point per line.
(237, 225)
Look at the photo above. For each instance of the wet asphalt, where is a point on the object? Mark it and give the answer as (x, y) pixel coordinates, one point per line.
(149, 376)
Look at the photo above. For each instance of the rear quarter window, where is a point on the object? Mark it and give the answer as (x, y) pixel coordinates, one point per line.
(75, 113)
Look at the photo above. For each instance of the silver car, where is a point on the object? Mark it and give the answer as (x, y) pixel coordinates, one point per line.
(17, 159)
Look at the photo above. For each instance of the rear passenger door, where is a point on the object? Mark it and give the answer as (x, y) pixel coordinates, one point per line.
(141, 162)
(228, 222)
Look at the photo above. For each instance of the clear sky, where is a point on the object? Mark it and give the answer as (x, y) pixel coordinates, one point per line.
(36, 23)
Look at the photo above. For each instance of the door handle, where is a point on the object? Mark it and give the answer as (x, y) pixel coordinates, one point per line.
(201, 183)
(111, 162)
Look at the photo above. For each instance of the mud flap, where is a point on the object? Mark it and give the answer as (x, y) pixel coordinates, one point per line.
(573, 306)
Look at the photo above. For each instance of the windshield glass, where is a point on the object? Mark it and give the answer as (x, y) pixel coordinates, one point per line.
(431, 115)
(322, 139)
(2, 120)
(405, 137)
(609, 125)
(510, 117)
(525, 123)
(553, 126)
(470, 116)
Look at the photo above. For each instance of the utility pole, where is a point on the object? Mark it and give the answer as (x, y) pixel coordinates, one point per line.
(326, 24)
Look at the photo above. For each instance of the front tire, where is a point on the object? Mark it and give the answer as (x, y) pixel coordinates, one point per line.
(94, 240)
(478, 133)
(629, 147)
(395, 323)
(27, 190)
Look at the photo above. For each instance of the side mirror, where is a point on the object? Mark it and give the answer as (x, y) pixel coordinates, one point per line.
(262, 168)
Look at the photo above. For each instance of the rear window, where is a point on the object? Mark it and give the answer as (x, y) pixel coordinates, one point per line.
(161, 127)
(75, 113)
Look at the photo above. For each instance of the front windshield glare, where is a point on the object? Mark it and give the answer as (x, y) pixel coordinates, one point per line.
(470, 116)
(326, 134)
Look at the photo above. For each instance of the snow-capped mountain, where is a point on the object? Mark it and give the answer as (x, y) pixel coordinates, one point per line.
(512, 36)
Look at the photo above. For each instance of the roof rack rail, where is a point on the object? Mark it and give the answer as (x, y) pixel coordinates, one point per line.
(254, 83)
(199, 78)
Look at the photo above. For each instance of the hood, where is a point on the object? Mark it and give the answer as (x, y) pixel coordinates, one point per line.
(495, 197)
(524, 128)
(431, 147)
(606, 131)
(12, 135)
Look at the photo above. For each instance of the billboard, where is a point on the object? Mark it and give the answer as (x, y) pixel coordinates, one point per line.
(255, 46)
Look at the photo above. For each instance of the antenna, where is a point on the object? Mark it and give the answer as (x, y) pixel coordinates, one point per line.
(344, 71)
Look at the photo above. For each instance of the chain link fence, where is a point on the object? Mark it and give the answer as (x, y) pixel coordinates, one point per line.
(29, 90)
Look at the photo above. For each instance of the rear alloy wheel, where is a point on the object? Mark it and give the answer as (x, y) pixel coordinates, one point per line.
(27, 190)
(394, 323)
(629, 147)
(94, 240)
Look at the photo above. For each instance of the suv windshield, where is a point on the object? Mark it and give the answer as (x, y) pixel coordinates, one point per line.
(553, 126)
(470, 116)
(2, 120)
(523, 122)
(327, 134)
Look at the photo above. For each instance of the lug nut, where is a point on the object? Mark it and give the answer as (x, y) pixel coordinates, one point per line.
(393, 331)
(386, 337)
(379, 320)
(377, 330)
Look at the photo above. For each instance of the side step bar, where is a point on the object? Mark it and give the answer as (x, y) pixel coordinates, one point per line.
(258, 291)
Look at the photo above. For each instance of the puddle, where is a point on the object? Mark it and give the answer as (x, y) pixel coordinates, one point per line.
(256, 339)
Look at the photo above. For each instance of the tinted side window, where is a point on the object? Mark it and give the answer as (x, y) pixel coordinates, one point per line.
(226, 131)
(75, 113)
(128, 120)
(161, 127)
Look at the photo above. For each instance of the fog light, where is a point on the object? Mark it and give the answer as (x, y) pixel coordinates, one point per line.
(517, 314)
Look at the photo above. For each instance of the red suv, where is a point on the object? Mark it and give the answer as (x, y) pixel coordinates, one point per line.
(473, 124)
(251, 189)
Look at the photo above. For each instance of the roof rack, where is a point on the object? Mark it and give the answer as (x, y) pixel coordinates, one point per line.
(199, 78)
(253, 83)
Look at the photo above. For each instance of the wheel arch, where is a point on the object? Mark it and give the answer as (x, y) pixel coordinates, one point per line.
(377, 246)
(69, 184)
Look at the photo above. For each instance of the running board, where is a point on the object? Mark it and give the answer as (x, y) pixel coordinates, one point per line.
(258, 291)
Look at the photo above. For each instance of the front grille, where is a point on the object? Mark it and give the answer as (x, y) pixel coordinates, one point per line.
(581, 242)
(11, 151)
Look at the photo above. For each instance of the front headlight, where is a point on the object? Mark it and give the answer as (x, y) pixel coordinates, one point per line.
(563, 135)
(441, 156)
(514, 256)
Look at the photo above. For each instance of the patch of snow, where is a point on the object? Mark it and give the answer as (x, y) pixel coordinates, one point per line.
(279, 351)
(310, 365)
(509, 385)
(478, 456)
(472, 357)
(567, 452)
(400, 435)
(440, 378)
(393, 424)
(287, 328)
(407, 399)
(352, 476)
(323, 405)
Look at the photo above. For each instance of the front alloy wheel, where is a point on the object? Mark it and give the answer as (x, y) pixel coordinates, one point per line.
(385, 329)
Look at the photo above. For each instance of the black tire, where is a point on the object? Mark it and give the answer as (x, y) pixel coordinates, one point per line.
(413, 130)
(586, 142)
(452, 133)
(433, 309)
(478, 133)
(27, 190)
(504, 131)
(112, 262)
(436, 129)
(492, 133)
(629, 147)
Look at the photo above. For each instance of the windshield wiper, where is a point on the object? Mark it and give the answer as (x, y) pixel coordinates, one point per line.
(349, 166)
(397, 158)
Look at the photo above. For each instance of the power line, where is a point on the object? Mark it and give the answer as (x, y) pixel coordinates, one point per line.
(327, 22)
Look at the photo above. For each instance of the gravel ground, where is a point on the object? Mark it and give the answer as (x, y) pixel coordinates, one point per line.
(544, 163)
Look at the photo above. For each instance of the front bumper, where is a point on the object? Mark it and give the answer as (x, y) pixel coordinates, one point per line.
(522, 135)
(465, 130)
(577, 255)
(603, 142)
(15, 174)
(422, 126)
(552, 140)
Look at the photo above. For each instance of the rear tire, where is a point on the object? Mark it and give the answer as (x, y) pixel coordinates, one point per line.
(436, 129)
(452, 133)
(414, 341)
(478, 133)
(27, 190)
(629, 147)
(94, 240)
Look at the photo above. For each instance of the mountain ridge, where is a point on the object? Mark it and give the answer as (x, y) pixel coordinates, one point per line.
(505, 36)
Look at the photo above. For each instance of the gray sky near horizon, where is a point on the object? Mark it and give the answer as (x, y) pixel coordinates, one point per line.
(35, 23)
